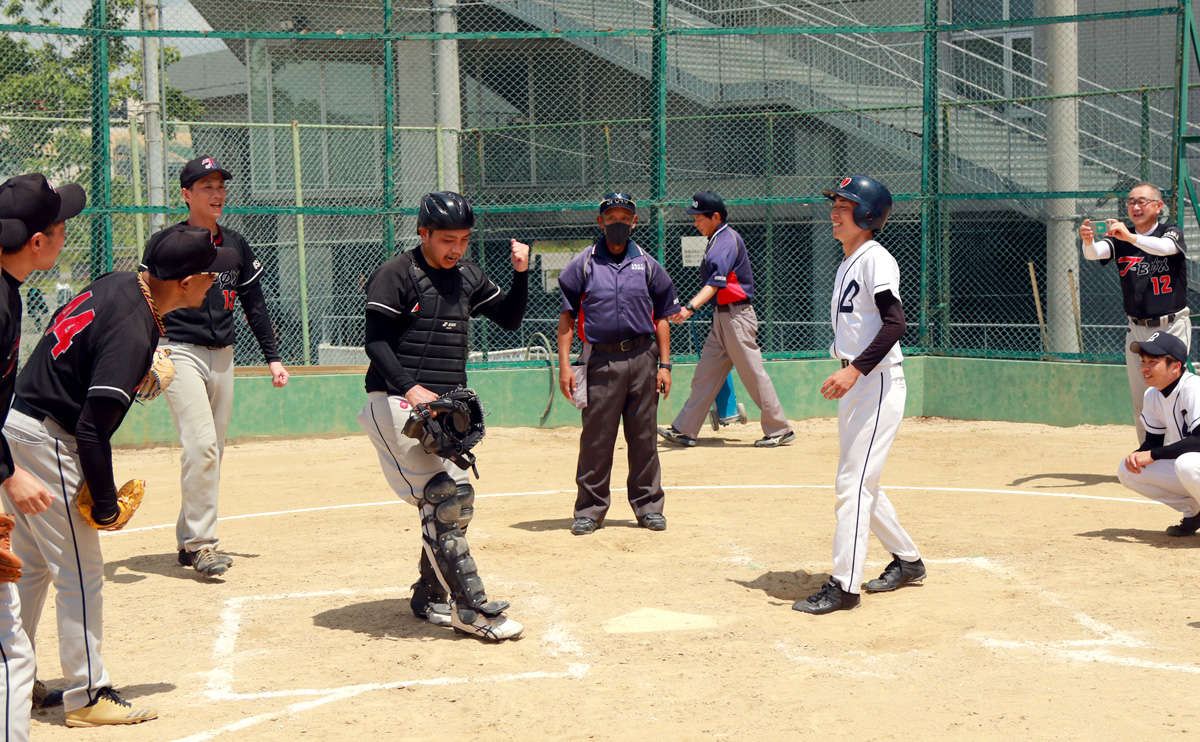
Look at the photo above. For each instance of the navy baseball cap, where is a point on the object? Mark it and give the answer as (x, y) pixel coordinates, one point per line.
(707, 202)
(31, 199)
(618, 201)
(198, 168)
(1161, 344)
(182, 250)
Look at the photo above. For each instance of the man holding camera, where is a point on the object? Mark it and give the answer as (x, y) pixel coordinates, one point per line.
(1153, 274)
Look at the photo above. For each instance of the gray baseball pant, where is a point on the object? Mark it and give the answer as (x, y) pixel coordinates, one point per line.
(622, 387)
(16, 676)
(58, 547)
(731, 343)
(1180, 328)
(201, 401)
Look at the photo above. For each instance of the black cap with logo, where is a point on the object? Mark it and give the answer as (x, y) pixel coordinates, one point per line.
(707, 202)
(198, 168)
(618, 201)
(182, 250)
(37, 204)
(1161, 344)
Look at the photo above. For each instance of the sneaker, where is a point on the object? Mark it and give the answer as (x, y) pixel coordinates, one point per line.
(185, 558)
(676, 436)
(109, 708)
(429, 604)
(771, 441)
(584, 527)
(653, 522)
(1186, 527)
(831, 597)
(44, 696)
(488, 622)
(897, 574)
(207, 563)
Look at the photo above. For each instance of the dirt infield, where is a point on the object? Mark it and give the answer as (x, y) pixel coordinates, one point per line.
(1055, 607)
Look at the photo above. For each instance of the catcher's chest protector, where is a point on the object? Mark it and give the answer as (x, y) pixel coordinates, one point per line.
(434, 350)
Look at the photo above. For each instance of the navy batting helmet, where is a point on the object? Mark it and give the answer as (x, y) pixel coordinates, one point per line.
(445, 210)
(873, 198)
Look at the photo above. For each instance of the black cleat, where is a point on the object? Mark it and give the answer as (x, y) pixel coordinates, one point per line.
(675, 435)
(831, 597)
(583, 526)
(897, 574)
(653, 522)
(1186, 527)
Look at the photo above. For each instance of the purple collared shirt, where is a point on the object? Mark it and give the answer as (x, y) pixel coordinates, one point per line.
(615, 301)
(726, 266)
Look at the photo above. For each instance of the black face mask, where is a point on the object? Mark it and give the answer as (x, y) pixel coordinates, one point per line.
(617, 233)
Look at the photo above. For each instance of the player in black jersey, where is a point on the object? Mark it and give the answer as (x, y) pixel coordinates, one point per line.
(32, 233)
(70, 398)
(1153, 271)
(201, 345)
(418, 306)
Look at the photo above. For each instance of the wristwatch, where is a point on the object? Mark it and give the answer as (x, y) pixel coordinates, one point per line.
(667, 366)
(691, 308)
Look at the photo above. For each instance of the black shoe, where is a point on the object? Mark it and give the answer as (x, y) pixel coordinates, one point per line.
(653, 522)
(676, 436)
(583, 527)
(44, 696)
(1186, 527)
(897, 574)
(774, 441)
(831, 597)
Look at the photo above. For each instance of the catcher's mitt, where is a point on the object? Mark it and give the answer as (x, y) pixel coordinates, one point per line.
(10, 563)
(129, 497)
(456, 429)
(159, 377)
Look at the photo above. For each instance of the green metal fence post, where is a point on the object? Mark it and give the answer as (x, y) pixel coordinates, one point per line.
(607, 160)
(389, 134)
(930, 182)
(769, 237)
(135, 162)
(101, 185)
(941, 304)
(1145, 165)
(300, 243)
(1179, 169)
(658, 126)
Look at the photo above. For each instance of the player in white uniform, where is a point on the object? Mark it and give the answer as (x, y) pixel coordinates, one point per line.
(1167, 465)
(868, 321)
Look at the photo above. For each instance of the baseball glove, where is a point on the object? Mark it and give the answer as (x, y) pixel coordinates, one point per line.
(159, 377)
(449, 426)
(129, 497)
(10, 563)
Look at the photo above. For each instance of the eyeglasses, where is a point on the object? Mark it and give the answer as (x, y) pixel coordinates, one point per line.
(1131, 202)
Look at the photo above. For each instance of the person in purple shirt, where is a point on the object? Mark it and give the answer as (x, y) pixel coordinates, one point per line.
(728, 284)
(618, 299)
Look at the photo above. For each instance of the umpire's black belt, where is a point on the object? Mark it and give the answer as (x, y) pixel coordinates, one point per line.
(623, 346)
(732, 305)
(20, 406)
(1166, 319)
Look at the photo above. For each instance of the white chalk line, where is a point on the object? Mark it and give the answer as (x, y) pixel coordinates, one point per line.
(557, 641)
(323, 508)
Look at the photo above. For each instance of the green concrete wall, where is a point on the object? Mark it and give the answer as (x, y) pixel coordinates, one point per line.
(964, 388)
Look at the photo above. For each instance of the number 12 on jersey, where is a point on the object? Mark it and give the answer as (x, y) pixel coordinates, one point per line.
(1161, 284)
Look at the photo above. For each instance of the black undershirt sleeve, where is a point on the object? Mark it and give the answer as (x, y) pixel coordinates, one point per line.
(510, 310)
(382, 334)
(98, 420)
(1189, 444)
(894, 325)
(1153, 440)
(7, 467)
(255, 306)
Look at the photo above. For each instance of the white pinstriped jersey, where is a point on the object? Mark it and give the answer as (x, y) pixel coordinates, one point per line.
(870, 270)
(1174, 415)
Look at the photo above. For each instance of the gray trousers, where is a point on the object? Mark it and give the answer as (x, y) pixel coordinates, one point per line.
(58, 548)
(730, 344)
(16, 674)
(621, 388)
(1180, 328)
(201, 401)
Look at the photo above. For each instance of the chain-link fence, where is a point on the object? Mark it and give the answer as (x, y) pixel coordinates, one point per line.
(998, 124)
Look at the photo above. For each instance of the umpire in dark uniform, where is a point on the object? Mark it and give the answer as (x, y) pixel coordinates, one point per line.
(618, 298)
(1152, 266)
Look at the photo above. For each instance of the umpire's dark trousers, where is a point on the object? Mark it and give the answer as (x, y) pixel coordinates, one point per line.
(621, 388)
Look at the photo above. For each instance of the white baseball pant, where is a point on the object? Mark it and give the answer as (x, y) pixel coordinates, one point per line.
(868, 418)
(1173, 482)
(16, 676)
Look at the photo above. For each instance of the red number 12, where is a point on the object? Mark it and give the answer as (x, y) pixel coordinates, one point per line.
(1162, 285)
